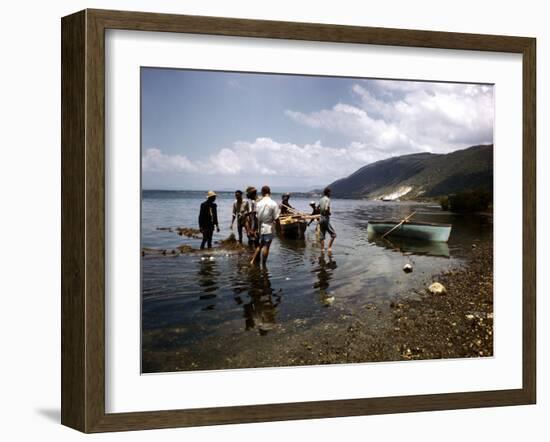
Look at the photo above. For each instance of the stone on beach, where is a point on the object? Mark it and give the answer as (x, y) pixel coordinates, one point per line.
(437, 289)
(407, 268)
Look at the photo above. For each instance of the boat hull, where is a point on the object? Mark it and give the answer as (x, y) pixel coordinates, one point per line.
(411, 246)
(415, 230)
(291, 229)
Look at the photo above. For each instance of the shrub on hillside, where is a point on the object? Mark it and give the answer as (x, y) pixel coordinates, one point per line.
(469, 201)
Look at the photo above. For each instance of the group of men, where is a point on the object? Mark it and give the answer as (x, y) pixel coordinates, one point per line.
(257, 217)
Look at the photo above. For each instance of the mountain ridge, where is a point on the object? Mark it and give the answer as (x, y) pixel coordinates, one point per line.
(420, 175)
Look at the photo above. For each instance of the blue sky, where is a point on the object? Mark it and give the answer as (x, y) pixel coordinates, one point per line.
(221, 130)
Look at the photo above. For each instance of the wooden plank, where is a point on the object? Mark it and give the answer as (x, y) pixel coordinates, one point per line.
(95, 221)
(73, 209)
(145, 21)
(529, 221)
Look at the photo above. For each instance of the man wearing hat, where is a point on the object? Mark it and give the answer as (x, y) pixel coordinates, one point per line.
(208, 219)
(286, 208)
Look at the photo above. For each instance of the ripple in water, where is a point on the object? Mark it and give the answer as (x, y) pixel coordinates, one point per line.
(204, 295)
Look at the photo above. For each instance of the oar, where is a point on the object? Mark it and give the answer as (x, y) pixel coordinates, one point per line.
(395, 227)
(290, 209)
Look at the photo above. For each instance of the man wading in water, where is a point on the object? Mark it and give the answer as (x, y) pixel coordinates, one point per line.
(208, 219)
(250, 218)
(324, 221)
(286, 208)
(268, 211)
(239, 213)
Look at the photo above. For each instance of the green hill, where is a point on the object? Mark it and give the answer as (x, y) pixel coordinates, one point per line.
(420, 175)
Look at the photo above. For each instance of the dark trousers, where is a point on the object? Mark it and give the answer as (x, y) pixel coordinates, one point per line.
(253, 241)
(240, 231)
(207, 237)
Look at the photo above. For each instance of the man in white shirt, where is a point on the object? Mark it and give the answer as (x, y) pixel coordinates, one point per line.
(267, 212)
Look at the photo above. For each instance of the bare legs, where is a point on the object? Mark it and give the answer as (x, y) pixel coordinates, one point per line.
(263, 250)
(330, 242)
(329, 250)
(256, 255)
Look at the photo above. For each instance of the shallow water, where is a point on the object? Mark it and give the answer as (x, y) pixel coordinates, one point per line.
(216, 293)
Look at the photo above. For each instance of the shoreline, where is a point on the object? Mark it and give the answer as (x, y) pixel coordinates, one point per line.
(415, 325)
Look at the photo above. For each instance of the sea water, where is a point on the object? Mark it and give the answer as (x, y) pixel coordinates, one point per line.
(194, 298)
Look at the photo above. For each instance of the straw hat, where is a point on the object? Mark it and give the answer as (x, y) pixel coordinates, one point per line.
(210, 193)
(250, 189)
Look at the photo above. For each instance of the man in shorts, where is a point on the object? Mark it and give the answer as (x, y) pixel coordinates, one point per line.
(267, 212)
(324, 221)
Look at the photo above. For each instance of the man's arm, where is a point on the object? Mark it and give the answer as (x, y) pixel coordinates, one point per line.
(276, 212)
(201, 217)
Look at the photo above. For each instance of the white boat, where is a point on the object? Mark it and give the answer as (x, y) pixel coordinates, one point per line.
(411, 229)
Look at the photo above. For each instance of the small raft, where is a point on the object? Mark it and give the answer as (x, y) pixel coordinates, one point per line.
(292, 226)
(411, 229)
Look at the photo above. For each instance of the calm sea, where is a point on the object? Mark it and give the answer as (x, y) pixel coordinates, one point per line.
(205, 295)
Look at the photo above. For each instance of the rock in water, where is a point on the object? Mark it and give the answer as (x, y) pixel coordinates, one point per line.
(407, 268)
(437, 289)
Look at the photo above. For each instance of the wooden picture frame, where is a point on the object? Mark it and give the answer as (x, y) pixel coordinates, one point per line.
(83, 220)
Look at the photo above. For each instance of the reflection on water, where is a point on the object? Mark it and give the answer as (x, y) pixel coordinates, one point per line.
(260, 311)
(207, 279)
(411, 246)
(324, 274)
(216, 293)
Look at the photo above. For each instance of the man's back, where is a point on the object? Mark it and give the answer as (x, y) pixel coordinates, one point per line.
(208, 216)
(324, 206)
(268, 211)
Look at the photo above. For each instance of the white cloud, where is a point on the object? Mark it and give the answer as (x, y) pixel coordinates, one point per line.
(384, 118)
(400, 117)
(267, 157)
(155, 161)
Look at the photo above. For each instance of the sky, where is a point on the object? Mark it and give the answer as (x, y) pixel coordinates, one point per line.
(226, 130)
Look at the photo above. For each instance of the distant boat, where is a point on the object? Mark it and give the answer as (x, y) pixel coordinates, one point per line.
(291, 226)
(411, 229)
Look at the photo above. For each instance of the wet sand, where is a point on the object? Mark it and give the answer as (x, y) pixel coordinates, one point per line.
(414, 325)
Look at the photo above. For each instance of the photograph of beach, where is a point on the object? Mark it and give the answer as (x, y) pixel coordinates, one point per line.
(300, 220)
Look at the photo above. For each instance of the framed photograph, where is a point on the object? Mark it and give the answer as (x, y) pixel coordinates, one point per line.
(268, 220)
